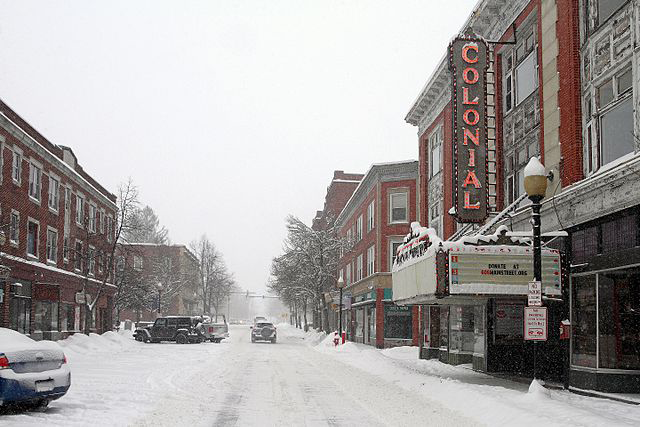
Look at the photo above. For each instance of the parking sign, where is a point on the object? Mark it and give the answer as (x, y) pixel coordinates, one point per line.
(535, 323)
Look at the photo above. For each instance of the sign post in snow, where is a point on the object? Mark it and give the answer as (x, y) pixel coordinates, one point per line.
(535, 323)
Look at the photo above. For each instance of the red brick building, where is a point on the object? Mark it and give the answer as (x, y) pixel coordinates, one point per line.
(338, 193)
(143, 266)
(373, 223)
(58, 228)
(563, 85)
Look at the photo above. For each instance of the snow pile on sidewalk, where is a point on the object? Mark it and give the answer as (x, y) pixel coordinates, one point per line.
(94, 343)
(313, 337)
(488, 400)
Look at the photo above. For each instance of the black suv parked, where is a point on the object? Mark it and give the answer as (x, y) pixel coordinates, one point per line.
(170, 328)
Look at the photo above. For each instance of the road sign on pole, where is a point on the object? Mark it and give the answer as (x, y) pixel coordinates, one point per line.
(535, 323)
(535, 294)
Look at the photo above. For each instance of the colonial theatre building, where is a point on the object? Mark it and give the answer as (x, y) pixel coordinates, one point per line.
(472, 293)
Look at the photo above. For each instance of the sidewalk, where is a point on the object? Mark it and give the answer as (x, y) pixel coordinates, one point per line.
(489, 399)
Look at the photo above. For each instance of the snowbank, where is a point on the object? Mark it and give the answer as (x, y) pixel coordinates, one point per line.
(94, 343)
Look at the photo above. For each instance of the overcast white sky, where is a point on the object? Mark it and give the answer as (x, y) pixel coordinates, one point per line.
(228, 115)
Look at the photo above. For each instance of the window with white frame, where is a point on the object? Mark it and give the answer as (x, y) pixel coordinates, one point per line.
(78, 255)
(100, 262)
(348, 274)
(392, 248)
(360, 228)
(53, 194)
(137, 263)
(66, 248)
(371, 215)
(91, 260)
(434, 150)
(398, 207)
(14, 227)
(109, 228)
(32, 238)
(92, 217)
(102, 221)
(526, 77)
(80, 210)
(52, 238)
(609, 121)
(508, 92)
(370, 259)
(349, 237)
(359, 267)
(604, 9)
(435, 219)
(34, 181)
(16, 166)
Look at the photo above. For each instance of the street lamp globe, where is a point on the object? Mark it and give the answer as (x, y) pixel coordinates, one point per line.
(340, 283)
(159, 286)
(535, 179)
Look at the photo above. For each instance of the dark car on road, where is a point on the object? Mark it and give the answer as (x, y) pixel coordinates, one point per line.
(263, 330)
(170, 328)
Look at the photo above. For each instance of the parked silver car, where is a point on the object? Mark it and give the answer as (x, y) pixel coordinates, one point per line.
(31, 372)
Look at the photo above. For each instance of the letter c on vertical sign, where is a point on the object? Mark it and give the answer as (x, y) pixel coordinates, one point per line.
(466, 49)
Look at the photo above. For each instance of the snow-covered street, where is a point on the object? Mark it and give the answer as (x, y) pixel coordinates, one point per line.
(301, 380)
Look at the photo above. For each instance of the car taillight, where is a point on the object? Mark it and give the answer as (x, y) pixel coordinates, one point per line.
(65, 359)
(4, 362)
(211, 329)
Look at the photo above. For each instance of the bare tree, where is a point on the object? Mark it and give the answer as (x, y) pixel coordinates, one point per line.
(145, 228)
(216, 282)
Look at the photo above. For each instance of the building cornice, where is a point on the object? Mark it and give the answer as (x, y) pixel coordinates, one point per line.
(489, 19)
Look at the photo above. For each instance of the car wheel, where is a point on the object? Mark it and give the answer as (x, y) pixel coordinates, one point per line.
(273, 340)
(252, 339)
(181, 339)
(217, 340)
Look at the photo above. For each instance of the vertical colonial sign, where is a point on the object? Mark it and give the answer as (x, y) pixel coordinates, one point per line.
(468, 62)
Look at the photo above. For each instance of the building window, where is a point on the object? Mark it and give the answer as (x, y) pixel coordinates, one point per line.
(52, 237)
(80, 210)
(16, 167)
(526, 77)
(398, 207)
(92, 218)
(34, 182)
(617, 132)
(348, 236)
(137, 262)
(14, 227)
(435, 143)
(66, 248)
(32, 238)
(371, 260)
(397, 322)
(102, 222)
(394, 244)
(53, 194)
(360, 228)
(507, 83)
(109, 228)
(606, 8)
(348, 274)
(46, 316)
(371, 215)
(91, 260)
(78, 255)
(359, 267)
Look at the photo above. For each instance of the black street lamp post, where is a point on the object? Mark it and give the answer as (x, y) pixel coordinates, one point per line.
(535, 186)
(159, 286)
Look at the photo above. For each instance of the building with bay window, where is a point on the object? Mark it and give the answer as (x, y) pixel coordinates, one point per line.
(373, 224)
(566, 89)
(58, 227)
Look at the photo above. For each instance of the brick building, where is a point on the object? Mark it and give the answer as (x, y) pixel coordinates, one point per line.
(58, 227)
(338, 193)
(564, 86)
(373, 223)
(143, 266)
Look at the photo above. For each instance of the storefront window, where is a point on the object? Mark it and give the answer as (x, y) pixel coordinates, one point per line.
(358, 330)
(67, 317)
(20, 307)
(461, 328)
(508, 321)
(479, 330)
(444, 327)
(619, 319)
(46, 316)
(584, 321)
(372, 322)
(397, 322)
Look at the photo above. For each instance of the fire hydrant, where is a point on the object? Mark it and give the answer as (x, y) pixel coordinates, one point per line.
(336, 339)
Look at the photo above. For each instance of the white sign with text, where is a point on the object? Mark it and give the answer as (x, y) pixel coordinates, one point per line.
(535, 323)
